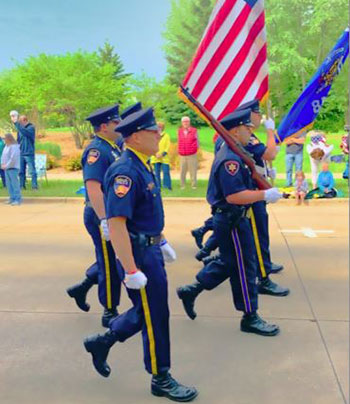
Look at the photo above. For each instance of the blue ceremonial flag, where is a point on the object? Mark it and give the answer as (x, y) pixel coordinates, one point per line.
(305, 110)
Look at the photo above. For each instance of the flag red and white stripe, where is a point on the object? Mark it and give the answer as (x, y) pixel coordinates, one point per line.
(230, 64)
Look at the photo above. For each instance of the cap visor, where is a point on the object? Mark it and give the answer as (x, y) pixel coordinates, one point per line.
(153, 127)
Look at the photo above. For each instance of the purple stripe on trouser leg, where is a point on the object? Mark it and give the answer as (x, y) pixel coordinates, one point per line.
(241, 269)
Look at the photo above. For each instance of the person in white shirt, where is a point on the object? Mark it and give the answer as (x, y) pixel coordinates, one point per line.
(319, 152)
(10, 162)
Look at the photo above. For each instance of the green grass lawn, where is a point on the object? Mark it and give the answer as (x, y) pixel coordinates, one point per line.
(206, 143)
(68, 188)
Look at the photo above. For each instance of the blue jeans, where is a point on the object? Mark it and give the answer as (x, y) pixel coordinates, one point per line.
(290, 160)
(166, 174)
(30, 160)
(12, 183)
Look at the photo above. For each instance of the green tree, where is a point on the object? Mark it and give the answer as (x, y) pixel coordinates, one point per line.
(300, 33)
(108, 55)
(184, 28)
(64, 88)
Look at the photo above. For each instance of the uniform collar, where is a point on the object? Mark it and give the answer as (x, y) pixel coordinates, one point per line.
(143, 157)
(113, 144)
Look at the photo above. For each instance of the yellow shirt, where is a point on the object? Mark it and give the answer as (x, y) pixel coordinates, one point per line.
(164, 145)
(143, 157)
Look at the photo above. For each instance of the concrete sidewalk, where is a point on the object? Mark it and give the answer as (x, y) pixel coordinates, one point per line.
(44, 248)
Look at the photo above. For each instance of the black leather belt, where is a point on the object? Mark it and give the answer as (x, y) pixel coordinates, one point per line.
(145, 240)
(153, 240)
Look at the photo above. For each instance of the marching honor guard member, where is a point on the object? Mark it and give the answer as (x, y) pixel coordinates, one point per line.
(231, 193)
(136, 219)
(97, 157)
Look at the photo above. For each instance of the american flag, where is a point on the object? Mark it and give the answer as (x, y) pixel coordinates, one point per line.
(230, 64)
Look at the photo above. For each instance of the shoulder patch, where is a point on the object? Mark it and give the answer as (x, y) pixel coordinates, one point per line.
(93, 156)
(122, 185)
(232, 167)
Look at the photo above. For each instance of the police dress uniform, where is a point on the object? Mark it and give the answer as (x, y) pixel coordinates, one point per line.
(96, 159)
(232, 229)
(132, 192)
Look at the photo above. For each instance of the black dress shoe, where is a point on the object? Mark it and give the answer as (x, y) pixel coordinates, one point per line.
(211, 258)
(164, 385)
(252, 322)
(108, 315)
(267, 287)
(79, 292)
(275, 268)
(203, 253)
(99, 345)
(198, 235)
(188, 296)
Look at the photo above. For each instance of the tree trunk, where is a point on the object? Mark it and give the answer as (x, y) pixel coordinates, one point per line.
(77, 140)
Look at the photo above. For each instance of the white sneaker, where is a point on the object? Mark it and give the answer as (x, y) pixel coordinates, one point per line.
(8, 202)
(15, 203)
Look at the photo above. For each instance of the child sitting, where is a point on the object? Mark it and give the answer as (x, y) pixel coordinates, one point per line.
(301, 187)
(325, 182)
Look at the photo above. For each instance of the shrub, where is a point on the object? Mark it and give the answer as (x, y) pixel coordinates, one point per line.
(73, 163)
(51, 148)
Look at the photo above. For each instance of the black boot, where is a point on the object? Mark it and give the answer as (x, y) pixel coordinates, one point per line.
(188, 294)
(251, 322)
(198, 235)
(275, 268)
(203, 253)
(163, 385)
(79, 292)
(211, 258)
(99, 345)
(108, 315)
(267, 287)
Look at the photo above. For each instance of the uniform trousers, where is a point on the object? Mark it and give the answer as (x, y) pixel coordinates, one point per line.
(238, 256)
(150, 312)
(109, 283)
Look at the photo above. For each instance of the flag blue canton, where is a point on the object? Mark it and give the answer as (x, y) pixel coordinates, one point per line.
(251, 2)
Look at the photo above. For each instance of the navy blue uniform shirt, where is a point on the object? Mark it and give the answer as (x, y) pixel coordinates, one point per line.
(256, 149)
(131, 191)
(96, 159)
(228, 175)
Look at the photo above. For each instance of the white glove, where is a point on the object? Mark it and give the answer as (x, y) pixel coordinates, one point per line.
(137, 280)
(271, 172)
(168, 252)
(272, 195)
(269, 124)
(105, 230)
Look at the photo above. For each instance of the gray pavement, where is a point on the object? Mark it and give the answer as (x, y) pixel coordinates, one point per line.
(44, 248)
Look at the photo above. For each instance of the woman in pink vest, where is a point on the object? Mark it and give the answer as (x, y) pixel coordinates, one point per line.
(187, 140)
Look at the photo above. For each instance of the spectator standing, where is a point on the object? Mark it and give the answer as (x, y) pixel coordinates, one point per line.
(188, 145)
(301, 187)
(26, 140)
(161, 160)
(10, 162)
(2, 172)
(294, 155)
(319, 152)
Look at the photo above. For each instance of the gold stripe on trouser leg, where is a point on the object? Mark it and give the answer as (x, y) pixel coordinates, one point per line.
(149, 327)
(108, 271)
(257, 243)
